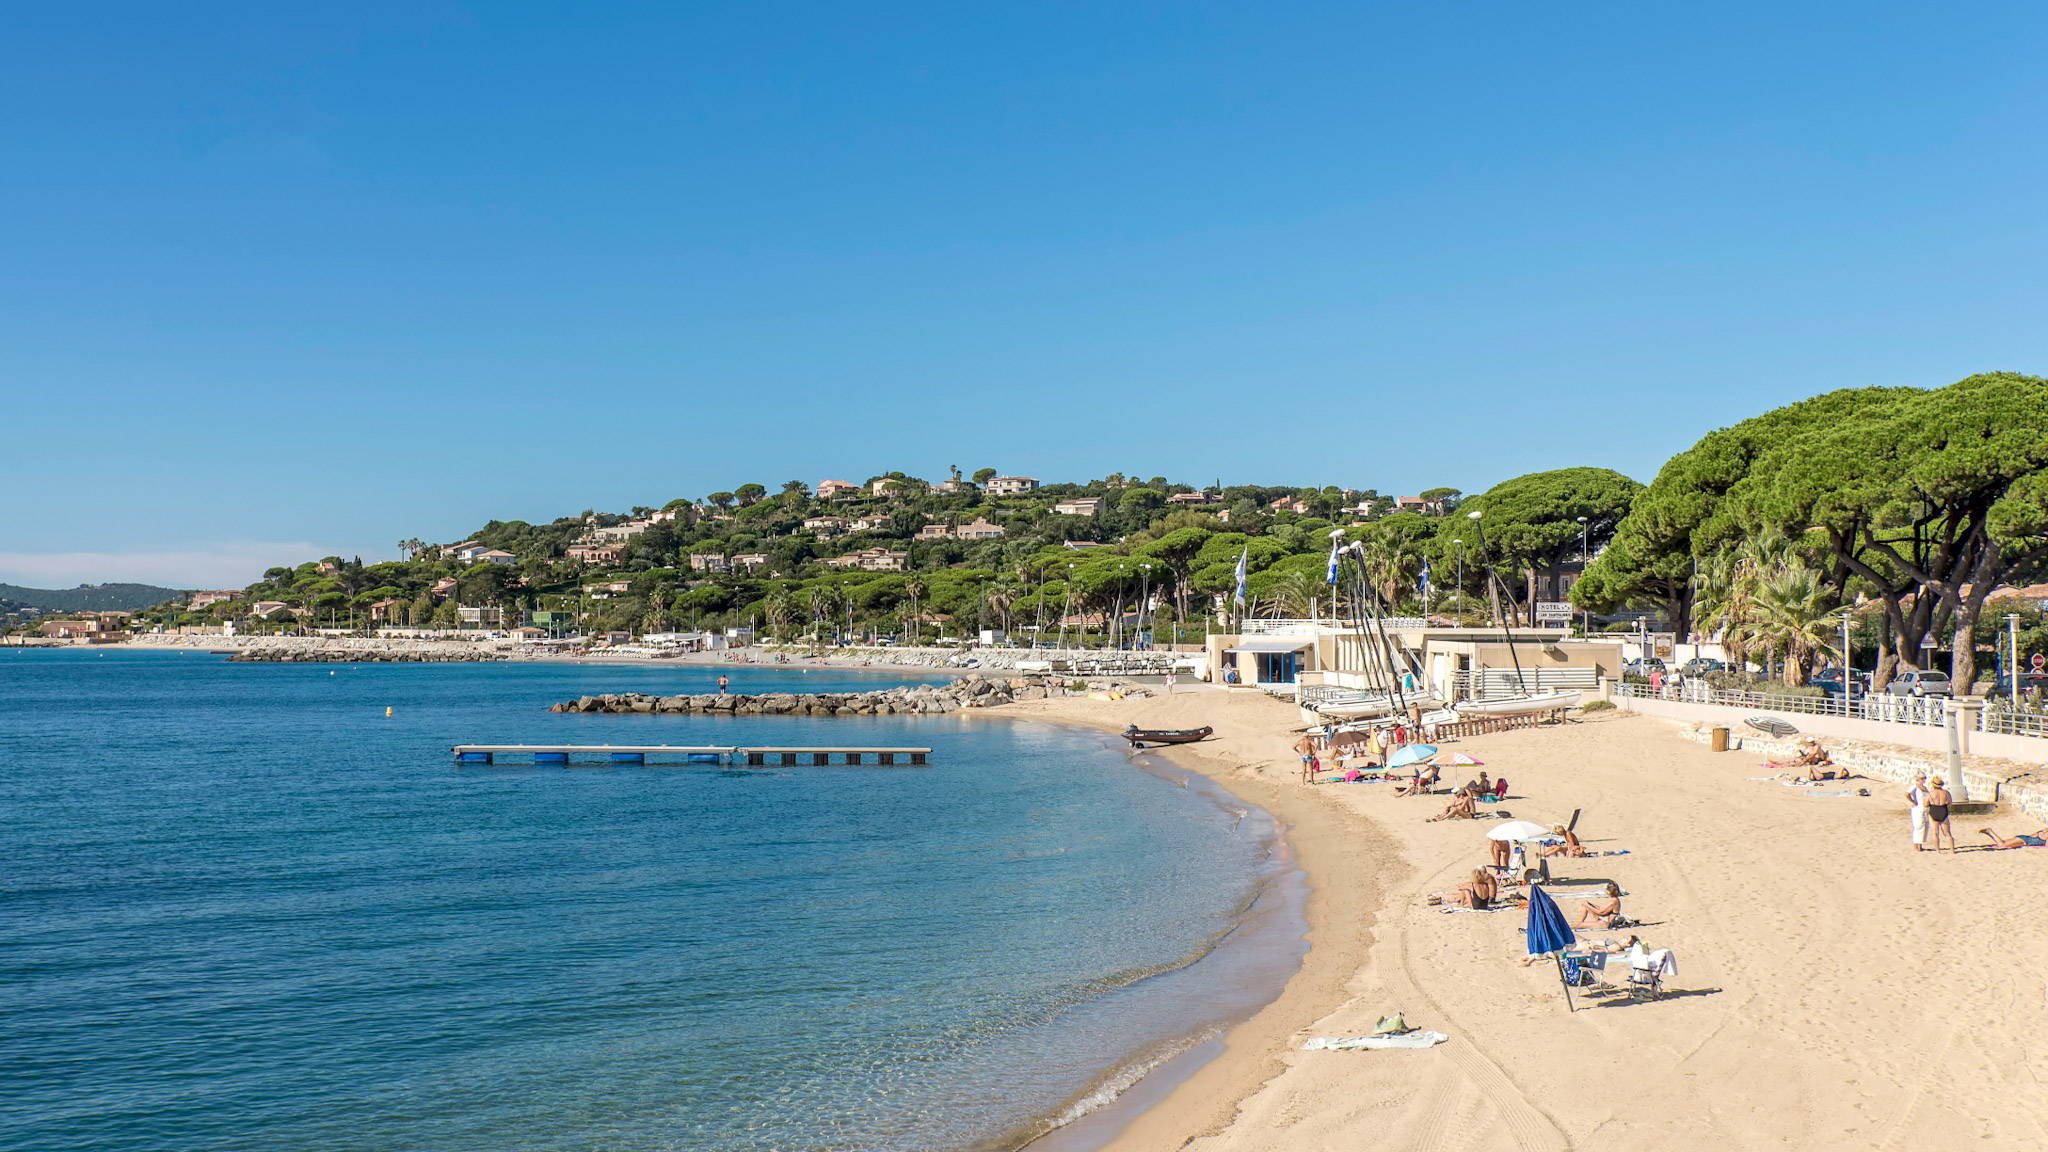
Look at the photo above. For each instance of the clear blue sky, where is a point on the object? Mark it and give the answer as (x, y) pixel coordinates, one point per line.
(282, 281)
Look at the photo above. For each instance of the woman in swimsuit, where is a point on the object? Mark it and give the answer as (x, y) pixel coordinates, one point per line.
(1570, 847)
(1938, 800)
(1480, 892)
(1601, 911)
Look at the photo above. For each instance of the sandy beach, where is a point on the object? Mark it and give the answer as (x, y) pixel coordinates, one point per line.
(1835, 989)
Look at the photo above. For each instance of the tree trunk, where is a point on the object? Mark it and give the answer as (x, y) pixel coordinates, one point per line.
(1887, 660)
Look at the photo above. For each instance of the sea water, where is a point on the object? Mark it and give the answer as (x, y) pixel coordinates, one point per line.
(245, 909)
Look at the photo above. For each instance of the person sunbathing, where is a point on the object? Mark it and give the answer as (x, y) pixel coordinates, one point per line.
(1422, 783)
(1815, 774)
(2035, 839)
(1570, 847)
(1602, 912)
(1816, 756)
(1480, 892)
(1462, 807)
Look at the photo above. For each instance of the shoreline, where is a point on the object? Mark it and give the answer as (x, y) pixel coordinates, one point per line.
(1202, 1094)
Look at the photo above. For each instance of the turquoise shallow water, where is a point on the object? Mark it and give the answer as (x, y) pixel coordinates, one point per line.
(247, 911)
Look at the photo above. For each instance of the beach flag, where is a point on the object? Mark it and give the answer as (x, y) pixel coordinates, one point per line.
(1241, 559)
(1422, 581)
(1330, 577)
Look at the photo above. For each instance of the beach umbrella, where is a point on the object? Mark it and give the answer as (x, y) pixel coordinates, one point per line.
(1549, 933)
(1410, 754)
(1517, 830)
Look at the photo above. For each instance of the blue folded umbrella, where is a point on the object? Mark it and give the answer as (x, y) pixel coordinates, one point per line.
(1549, 934)
(1410, 754)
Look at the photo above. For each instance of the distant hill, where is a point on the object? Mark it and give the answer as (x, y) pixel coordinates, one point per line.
(87, 597)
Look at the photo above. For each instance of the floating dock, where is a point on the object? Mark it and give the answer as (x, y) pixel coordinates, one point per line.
(680, 754)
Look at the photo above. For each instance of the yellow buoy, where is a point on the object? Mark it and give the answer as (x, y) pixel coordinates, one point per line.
(387, 710)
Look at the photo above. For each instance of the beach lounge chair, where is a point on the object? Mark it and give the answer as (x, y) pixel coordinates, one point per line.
(1647, 969)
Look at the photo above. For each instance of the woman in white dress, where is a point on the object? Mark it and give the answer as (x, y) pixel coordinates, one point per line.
(1917, 797)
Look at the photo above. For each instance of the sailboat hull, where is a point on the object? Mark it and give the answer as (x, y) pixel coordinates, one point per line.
(1518, 705)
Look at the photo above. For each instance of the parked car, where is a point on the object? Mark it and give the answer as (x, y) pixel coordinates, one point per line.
(1832, 681)
(2030, 681)
(1642, 667)
(1919, 684)
(1701, 665)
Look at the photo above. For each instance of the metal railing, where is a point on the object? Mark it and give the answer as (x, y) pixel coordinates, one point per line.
(1298, 627)
(1919, 711)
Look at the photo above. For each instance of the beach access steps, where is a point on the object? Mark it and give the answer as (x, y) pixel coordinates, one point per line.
(677, 754)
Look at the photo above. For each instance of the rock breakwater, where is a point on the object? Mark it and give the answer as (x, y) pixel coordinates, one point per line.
(904, 699)
(362, 656)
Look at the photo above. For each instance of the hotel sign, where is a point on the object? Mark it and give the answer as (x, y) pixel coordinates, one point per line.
(1554, 612)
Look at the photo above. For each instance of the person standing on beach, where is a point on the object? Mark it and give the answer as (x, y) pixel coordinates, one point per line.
(1917, 797)
(1306, 746)
(1938, 800)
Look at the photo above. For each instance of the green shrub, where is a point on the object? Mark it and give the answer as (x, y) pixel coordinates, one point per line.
(1597, 706)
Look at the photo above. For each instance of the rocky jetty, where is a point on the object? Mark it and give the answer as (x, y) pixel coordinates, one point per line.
(904, 699)
(363, 656)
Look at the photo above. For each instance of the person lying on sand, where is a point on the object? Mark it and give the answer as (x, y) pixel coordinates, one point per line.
(1605, 912)
(1461, 808)
(2035, 839)
(1831, 774)
(1570, 847)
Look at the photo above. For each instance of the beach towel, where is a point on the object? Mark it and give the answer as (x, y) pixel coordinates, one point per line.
(1418, 1039)
(1660, 961)
(1818, 794)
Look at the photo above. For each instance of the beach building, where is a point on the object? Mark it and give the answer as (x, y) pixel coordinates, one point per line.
(979, 530)
(834, 489)
(209, 598)
(1079, 506)
(76, 629)
(380, 610)
(483, 616)
(1449, 663)
(1010, 485)
(269, 609)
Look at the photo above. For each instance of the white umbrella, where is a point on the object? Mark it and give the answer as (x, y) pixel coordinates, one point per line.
(1517, 830)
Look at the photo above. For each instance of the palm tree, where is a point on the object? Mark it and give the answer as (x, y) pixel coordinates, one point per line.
(1795, 609)
(1296, 593)
(782, 611)
(914, 588)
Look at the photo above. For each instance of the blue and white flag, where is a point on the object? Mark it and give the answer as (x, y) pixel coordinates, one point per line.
(1330, 576)
(1241, 559)
(1422, 581)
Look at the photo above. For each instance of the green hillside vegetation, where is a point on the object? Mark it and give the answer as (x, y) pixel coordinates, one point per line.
(85, 598)
(1913, 503)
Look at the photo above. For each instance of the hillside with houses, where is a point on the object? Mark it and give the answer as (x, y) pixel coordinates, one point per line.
(890, 554)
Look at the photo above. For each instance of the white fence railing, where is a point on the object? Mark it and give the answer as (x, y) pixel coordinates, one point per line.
(1296, 627)
(1920, 711)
